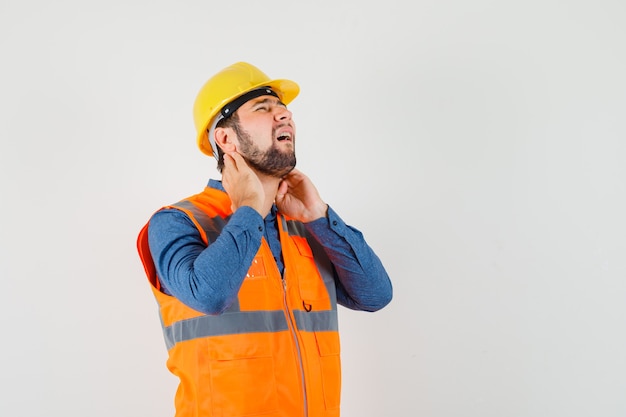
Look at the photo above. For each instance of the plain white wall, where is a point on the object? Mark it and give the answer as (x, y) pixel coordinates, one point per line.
(479, 146)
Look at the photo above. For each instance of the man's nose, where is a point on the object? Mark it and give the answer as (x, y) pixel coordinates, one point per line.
(282, 113)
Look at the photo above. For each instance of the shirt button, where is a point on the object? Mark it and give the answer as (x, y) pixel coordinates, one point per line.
(260, 228)
(334, 222)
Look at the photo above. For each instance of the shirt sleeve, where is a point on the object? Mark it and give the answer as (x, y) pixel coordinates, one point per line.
(205, 278)
(362, 281)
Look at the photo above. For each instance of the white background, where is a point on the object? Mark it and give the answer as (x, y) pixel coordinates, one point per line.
(478, 145)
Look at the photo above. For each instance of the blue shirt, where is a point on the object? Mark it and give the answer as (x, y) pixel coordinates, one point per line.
(208, 278)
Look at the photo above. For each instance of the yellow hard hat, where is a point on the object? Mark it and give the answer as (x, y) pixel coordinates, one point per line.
(224, 87)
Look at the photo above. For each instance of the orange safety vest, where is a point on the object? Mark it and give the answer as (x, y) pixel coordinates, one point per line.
(275, 351)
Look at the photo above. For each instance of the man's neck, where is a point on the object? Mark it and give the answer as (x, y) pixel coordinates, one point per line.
(270, 187)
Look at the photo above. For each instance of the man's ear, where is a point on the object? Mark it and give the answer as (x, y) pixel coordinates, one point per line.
(224, 139)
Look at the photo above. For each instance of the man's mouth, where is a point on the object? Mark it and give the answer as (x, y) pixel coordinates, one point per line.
(284, 136)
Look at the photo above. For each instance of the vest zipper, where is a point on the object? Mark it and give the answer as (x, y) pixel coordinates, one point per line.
(292, 329)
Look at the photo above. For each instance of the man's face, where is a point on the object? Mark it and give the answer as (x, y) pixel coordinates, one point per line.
(266, 135)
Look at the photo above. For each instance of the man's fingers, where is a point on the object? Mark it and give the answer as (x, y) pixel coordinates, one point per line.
(229, 162)
(238, 162)
(283, 187)
(294, 173)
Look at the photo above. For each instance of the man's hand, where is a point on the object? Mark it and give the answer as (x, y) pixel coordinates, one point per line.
(242, 185)
(298, 198)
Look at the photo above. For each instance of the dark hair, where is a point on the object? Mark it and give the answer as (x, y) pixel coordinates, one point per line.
(229, 122)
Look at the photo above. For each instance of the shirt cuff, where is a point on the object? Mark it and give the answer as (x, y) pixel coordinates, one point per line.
(247, 218)
(327, 226)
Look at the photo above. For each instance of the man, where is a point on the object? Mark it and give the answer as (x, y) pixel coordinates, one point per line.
(248, 273)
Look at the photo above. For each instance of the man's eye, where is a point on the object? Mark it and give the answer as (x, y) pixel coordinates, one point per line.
(262, 108)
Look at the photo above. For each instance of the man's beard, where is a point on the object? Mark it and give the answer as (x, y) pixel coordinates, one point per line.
(272, 162)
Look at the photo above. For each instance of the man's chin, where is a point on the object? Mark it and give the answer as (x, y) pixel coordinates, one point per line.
(287, 171)
(273, 170)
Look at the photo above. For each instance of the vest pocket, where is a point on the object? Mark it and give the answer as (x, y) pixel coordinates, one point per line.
(313, 290)
(330, 364)
(243, 380)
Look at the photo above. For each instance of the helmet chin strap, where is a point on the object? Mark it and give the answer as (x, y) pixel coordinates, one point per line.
(211, 134)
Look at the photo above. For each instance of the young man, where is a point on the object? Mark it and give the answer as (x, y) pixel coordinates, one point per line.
(248, 273)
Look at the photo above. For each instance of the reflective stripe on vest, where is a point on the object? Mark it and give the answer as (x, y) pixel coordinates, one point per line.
(316, 321)
(247, 322)
(212, 226)
(225, 324)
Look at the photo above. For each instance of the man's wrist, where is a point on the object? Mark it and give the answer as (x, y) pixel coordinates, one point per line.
(318, 213)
